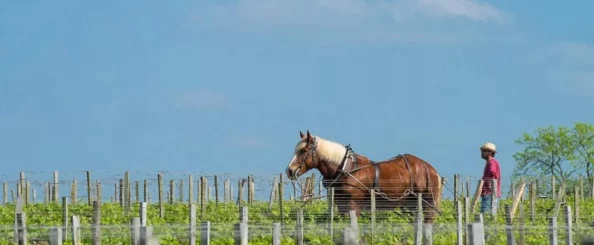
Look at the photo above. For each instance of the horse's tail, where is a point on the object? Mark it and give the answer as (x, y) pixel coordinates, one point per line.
(437, 200)
(436, 195)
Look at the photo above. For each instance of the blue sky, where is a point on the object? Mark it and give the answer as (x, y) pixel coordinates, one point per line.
(225, 86)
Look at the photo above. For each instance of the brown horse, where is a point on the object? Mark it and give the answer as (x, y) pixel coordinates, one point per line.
(397, 181)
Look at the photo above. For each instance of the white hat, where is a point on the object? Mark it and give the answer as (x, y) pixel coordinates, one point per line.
(489, 146)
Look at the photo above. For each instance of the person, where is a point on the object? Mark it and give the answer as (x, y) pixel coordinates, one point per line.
(491, 171)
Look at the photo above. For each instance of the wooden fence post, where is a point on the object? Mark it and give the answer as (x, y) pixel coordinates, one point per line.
(553, 187)
(299, 221)
(568, 225)
(372, 215)
(137, 191)
(511, 240)
(161, 204)
(478, 218)
(576, 205)
(330, 194)
(205, 233)
(533, 195)
(181, 190)
(89, 195)
(171, 191)
(494, 203)
(126, 193)
(21, 228)
(244, 214)
(190, 189)
(96, 224)
(73, 193)
(456, 187)
(466, 218)
(55, 236)
(354, 225)
(349, 236)
(226, 191)
(272, 194)
(193, 225)
(76, 238)
(5, 193)
(143, 214)
(145, 191)
(553, 237)
(99, 191)
(216, 187)
(146, 235)
(459, 233)
(476, 234)
(477, 195)
(241, 233)
(64, 218)
(135, 230)
(419, 220)
(276, 234)
(203, 194)
(522, 221)
(56, 187)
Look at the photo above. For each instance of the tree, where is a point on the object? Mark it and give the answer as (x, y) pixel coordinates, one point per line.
(549, 152)
(584, 144)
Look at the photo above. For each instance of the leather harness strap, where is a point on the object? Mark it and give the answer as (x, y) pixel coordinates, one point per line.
(409, 173)
(377, 175)
(427, 176)
(349, 156)
(343, 165)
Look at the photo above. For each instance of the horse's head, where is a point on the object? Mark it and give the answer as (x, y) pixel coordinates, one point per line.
(304, 157)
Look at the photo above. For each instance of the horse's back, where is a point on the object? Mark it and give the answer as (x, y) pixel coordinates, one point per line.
(408, 159)
(418, 174)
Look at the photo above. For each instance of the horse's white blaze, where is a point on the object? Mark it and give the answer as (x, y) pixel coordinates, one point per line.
(291, 162)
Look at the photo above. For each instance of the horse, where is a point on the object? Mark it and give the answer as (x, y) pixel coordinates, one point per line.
(396, 181)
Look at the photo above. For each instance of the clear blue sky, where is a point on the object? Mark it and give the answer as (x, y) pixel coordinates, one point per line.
(225, 86)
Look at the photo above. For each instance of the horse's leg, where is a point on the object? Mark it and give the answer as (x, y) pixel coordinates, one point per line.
(355, 205)
(341, 205)
(429, 213)
(432, 201)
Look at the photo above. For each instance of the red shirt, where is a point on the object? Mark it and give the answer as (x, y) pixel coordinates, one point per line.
(491, 172)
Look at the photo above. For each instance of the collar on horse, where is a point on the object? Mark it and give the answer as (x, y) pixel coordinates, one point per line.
(349, 157)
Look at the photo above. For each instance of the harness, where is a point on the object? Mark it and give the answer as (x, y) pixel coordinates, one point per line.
(350, 157)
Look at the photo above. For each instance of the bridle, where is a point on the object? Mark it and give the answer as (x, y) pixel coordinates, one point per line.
(311, 152)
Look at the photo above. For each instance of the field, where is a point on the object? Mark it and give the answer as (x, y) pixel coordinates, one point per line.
(221, 210)
(172, 229)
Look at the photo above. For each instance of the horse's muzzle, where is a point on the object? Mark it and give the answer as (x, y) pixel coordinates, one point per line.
(290, 174)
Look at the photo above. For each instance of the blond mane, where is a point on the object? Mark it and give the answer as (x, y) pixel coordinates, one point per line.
(328, 151)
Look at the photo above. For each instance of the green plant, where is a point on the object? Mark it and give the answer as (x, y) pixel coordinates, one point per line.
(390, 227)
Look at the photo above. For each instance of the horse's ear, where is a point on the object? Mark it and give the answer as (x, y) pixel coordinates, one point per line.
(308, 136)
(301, 134)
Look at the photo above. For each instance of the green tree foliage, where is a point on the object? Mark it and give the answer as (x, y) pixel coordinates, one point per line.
(561, 152)
(549, 152)
(584, 143)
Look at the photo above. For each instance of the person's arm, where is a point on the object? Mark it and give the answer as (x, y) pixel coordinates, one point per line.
(498, 172)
